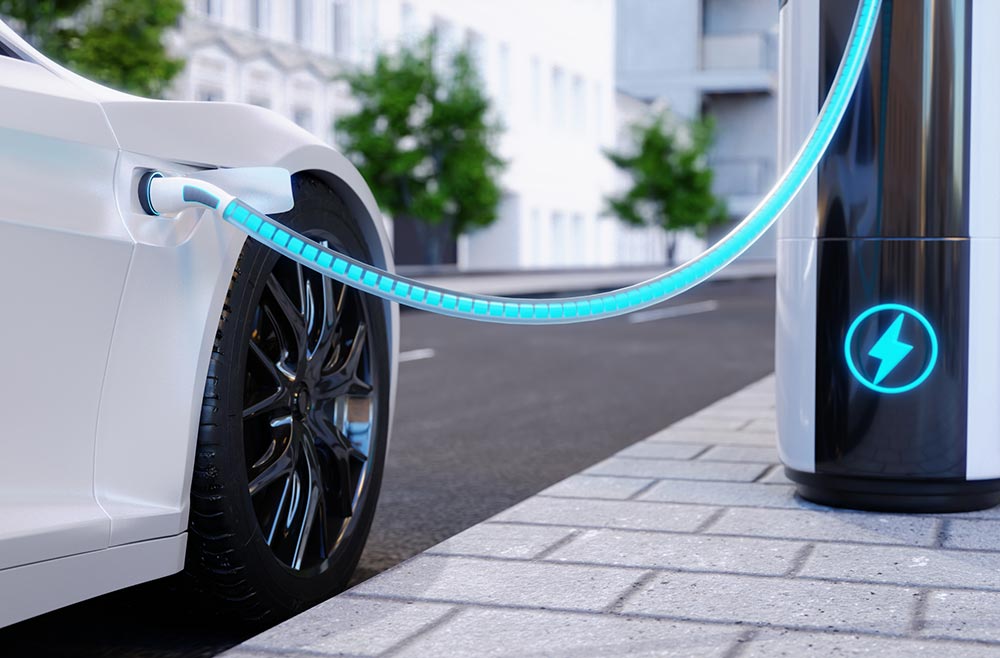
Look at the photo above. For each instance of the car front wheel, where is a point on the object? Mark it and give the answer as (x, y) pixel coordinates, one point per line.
(294, 428)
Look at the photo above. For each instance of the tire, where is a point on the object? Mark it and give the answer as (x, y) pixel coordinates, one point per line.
(286, 406)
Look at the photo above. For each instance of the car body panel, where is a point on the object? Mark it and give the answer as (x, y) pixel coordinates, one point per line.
(37, 588)
(64, 256)
(115, 313)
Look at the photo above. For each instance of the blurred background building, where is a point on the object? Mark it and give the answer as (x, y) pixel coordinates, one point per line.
(720, 58)
(561, 100)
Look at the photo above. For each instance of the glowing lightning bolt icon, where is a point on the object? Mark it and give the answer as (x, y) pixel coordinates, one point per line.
(889, 350)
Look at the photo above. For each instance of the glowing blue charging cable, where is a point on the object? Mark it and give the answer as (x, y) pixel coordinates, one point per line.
(170, 195)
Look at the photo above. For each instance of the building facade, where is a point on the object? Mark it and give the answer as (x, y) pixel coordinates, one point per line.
(556, 98)
(720, 58)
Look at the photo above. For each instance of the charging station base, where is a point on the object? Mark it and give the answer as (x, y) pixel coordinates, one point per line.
(896, 495)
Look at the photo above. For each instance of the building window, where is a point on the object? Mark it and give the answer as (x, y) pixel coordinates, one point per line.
(536, 88)
(503, 77)
(302, 21)
(260, 101)
(599, 110)
(303, 118)
(211, 8)
(474, 45)
(260, 15)
(578, 250)
(558, 97)
(448, 41)
(408, 21)
(559, 240)
(340, 30)
(537, 233)
(579, 105)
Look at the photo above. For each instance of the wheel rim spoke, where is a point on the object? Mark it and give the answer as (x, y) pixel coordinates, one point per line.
(314, 488)
(274, 402)
(278, 510)
(289, 310)
(346, 379)
(281, 464)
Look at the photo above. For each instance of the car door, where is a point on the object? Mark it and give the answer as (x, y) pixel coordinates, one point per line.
(64, 253)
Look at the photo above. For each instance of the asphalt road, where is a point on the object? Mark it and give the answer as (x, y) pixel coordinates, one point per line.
(486, 416)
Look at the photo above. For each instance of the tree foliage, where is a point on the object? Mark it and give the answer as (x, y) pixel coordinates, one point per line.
(671, 182)
(423, 137)
(117, 42)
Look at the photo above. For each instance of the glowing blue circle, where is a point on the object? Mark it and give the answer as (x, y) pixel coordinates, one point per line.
(931, 362)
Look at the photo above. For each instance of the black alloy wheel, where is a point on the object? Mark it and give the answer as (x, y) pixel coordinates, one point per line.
(294, 426)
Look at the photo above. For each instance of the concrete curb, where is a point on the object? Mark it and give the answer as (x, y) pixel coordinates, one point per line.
(555, 281)
(690, 542)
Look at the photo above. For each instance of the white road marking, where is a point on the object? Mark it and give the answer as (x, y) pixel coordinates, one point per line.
(673, 312)
(416, 355)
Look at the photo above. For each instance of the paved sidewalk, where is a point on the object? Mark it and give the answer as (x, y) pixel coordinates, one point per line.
(690, 543)
(533, 282)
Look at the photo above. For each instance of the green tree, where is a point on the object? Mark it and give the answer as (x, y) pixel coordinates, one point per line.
(423, 138)
(117, 42)
(671, 182)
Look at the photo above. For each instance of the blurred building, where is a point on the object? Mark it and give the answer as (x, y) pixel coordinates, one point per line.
(718, 57)
(549, 67)
(279, 54)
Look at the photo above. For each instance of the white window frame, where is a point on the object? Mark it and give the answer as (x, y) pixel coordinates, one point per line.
(504, 88)
(212, 8)
(302, 22)
(559, 101)
(341, 28)
(260, 16)
(536, 88)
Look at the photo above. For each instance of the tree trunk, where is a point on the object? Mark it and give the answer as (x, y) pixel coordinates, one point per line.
(671, 247)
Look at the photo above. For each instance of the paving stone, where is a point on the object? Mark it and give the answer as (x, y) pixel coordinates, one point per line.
(768, 455)
(502, 540)
(605, 513)
(829, 526)
(597, 486)
(674, 469)
(660, 450)
(692, 552)
(991, 513)
(765, 425)
(776, 601)
(491, 633)
(502, 582)
(966, 615)
(761, 395)
(776, 476)
(905, 566)
(712, 437)
(757, 402)
(715, 424)
(748, 413)
(345, 625)
(983, 535)
(726, 494)
(775, 643)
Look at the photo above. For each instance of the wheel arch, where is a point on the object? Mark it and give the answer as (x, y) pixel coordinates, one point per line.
(144, 484)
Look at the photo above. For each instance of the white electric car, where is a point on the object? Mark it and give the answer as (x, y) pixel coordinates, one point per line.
(174, 397)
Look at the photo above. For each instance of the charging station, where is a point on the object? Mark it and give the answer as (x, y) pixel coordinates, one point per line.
(888, 329)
